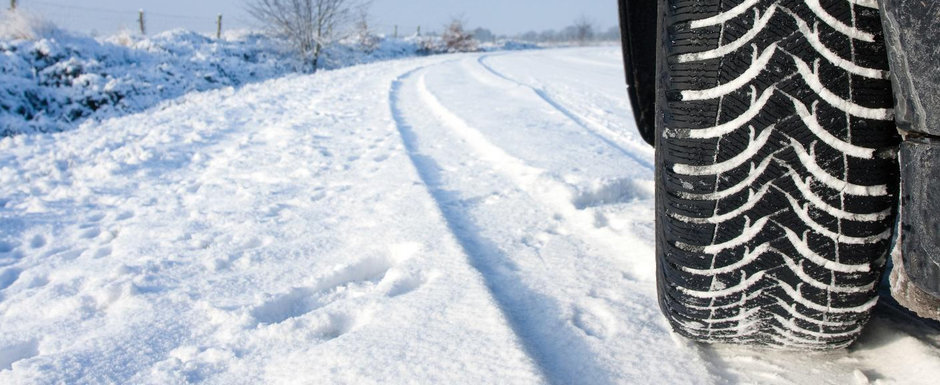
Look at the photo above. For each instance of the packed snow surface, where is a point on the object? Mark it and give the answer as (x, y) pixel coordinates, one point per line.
(457, 219)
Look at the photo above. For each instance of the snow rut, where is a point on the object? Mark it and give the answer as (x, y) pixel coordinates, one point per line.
(482, 253)
(598, 130)
(533, 237)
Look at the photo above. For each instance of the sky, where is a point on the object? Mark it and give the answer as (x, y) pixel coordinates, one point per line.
(500, 16)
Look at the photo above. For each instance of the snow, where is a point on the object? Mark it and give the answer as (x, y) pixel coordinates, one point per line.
(758, 64)
(811, 76)
(460, 219)
(53, 80)
(57, 81)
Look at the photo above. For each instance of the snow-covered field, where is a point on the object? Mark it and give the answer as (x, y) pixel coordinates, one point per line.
(457, 219)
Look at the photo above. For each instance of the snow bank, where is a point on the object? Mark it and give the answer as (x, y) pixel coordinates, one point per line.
(52, 80)
(509, 45)
(349, 53)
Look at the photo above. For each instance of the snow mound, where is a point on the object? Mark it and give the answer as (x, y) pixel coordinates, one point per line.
(509, 45)
(352, 52)
(54, 81)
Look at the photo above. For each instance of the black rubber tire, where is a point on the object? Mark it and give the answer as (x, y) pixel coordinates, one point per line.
(777, 169)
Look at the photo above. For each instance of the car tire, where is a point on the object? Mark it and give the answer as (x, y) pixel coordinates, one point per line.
(777, 170)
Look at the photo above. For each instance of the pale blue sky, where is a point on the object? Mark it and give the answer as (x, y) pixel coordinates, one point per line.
(502, 17)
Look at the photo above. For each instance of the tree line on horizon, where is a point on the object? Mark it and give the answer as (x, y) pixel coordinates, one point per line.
(310, 26)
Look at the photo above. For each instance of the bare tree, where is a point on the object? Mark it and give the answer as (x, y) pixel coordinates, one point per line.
(308, 25)
(456, 39)
(368, 41)
(583, 30)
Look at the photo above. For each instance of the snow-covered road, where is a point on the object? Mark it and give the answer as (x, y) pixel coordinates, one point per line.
(482, 218)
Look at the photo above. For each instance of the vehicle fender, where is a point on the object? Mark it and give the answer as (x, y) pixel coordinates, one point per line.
(638, 27)
(912, 35)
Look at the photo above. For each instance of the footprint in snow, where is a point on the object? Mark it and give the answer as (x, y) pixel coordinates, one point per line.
(102, 252)
(6, 247)
(334, 325)
(91, 233)
(398, 282)
(193, 188)
(358, 277)
(38, 281)
(10, 354)
(38, 241)
(8, 277)
(371, 275)
(609, 192)
(594, 319)
(256, 242)
(277, 210)
(295, 303)
(319, 195)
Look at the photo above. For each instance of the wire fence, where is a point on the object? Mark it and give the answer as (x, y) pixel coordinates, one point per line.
(100, 20)
(94, 20)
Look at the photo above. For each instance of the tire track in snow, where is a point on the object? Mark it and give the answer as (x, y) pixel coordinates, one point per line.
(560, 356)
(590, 126)
(535, 182)
(567, 326)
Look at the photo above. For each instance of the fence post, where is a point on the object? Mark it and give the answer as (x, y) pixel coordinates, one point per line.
(218, 30)
(12, 5)
(140, 20)
(396, 32)
(419, 31)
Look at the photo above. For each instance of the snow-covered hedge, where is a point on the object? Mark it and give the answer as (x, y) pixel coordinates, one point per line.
(55, 81)
(509, 45)
(52, 80)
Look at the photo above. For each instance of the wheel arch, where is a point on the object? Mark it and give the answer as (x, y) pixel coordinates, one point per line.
(638, 27)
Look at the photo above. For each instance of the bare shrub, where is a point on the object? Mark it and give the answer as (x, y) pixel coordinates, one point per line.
(367, 40)
(308, 25)
(22, 25)
(456, 39)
